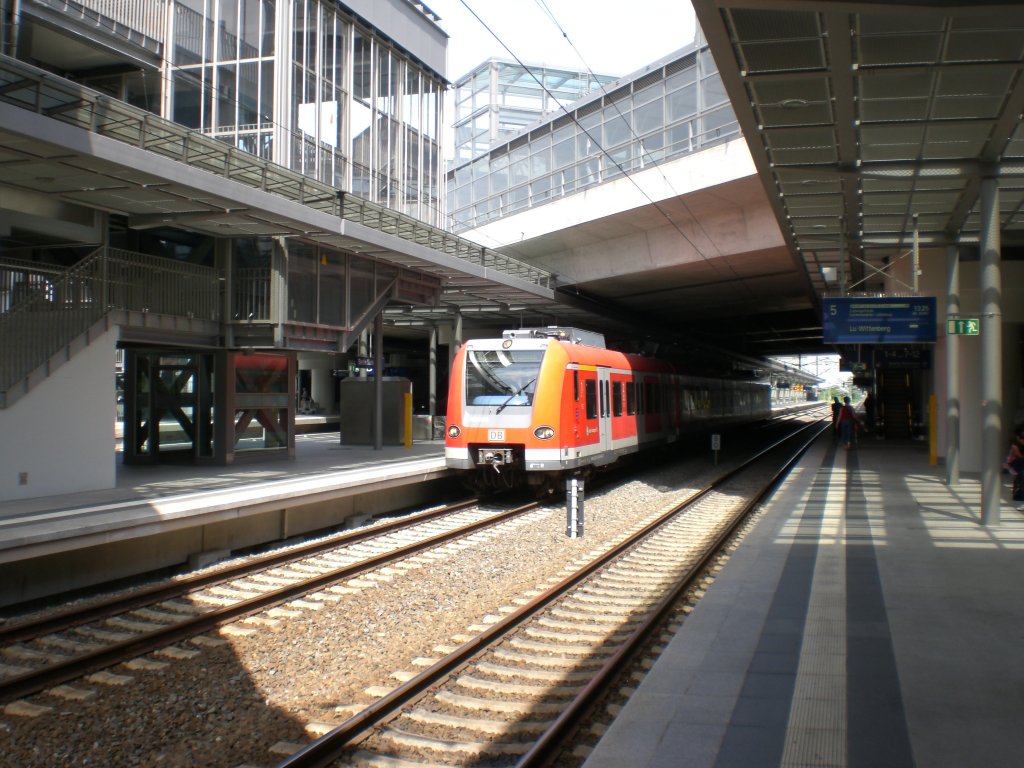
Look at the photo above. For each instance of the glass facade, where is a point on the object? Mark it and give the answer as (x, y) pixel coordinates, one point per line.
(498, 99)
(325, 286)
(672, 110)
(304, 84)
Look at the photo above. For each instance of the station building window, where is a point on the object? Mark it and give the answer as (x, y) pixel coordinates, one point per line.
(363, 116)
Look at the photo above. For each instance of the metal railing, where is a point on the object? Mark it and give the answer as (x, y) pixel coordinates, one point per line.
(56, 309)
(21, 278)
(35, 90)
(141, 21)
(251, 300)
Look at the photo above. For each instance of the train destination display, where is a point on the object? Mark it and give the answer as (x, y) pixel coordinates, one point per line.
(879, 320)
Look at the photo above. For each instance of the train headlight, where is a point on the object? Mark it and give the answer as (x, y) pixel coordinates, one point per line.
(544, 433)
(454, 431)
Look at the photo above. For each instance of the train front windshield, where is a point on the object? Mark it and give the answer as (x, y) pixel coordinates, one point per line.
(502, 377)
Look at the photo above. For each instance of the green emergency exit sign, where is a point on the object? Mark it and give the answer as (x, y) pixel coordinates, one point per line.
(963, 326)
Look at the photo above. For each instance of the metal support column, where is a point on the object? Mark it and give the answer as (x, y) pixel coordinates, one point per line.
(13, 29)
(279, 295)
(225, 262)
(952, 368)
(991, 354)
(916, 265)
(378, 382)
(432, 375)
(842, 261)
(456, 339)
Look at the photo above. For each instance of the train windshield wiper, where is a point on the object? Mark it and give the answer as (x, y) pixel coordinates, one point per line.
(514, 395)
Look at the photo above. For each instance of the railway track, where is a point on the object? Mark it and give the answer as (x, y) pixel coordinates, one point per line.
(42, 654)
(273, 681)
(514, 693)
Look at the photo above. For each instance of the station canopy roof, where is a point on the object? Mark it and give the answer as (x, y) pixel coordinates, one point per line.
(869, 121)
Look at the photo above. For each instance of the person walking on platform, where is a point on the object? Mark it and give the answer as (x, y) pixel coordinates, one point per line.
(836, 407)
(847, 422)
(869, 412)
(1014, 464)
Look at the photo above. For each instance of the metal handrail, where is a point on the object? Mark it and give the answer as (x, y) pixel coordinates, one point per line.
(58, 309)
(33, 89)
(139, 20)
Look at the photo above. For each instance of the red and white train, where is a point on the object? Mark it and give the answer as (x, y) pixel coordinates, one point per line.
(536, 404)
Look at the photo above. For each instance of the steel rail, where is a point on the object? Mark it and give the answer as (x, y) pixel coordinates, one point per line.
(550, 743)
(63, 620)
(32, 682)
(328, 748)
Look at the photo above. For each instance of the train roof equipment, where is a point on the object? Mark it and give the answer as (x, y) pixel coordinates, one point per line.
(562, 333)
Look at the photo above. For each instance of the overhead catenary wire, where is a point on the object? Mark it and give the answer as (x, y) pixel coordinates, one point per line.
(626, 174)
(550, 14)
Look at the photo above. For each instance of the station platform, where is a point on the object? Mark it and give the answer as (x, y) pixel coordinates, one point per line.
(158, 516)
(169, 495)
(868, 620)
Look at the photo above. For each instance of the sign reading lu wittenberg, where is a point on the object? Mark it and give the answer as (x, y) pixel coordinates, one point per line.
(884, 320)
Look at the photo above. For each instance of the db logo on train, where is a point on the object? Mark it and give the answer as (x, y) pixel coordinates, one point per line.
(495, 435)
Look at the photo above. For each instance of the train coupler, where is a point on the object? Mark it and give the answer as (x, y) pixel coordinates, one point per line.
(496, 457)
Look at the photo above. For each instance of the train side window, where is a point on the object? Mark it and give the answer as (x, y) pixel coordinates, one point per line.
(576, 386)
(649, 397)
(617, 398)
(590, 393)
(640, 404)
(630, 398)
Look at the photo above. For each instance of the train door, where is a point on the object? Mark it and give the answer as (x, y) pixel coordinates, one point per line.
(604, 391)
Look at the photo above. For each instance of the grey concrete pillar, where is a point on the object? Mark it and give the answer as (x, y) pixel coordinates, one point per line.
(952, 368)
(322, 388)
(991, 355)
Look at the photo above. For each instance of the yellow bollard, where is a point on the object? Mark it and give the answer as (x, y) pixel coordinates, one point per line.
(932, 437)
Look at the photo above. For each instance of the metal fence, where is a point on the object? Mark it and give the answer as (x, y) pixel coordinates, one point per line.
(251, 300)
(141, 21)
(32, 89)
(21, 278)
(55, 307)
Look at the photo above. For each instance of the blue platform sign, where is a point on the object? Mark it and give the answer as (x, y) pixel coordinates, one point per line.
(883, 320)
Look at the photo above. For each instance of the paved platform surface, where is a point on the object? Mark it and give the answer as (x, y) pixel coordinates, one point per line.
(869, 620)
(171, 494)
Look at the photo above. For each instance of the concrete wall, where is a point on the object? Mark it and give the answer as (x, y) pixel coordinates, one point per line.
(708, 168)
(59, 438)
(202, 543)
(407, 26)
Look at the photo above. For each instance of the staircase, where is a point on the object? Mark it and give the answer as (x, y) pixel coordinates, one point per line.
(52, 315)
(894, 404)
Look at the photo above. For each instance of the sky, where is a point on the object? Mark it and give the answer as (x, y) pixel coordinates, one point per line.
(611, 38)
(825, 367)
